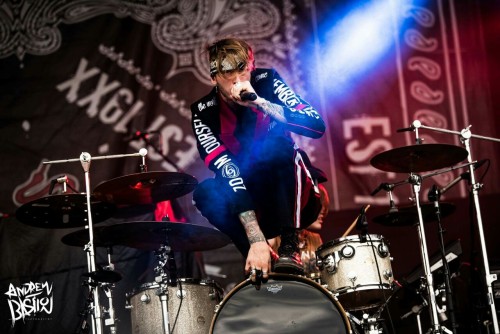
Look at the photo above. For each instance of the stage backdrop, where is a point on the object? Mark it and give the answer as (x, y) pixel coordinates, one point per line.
(84, 76)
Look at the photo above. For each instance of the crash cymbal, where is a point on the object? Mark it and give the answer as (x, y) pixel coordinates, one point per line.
(408, 216)
(418, 158)
(145, 188)
(63, 211)
(151, 235)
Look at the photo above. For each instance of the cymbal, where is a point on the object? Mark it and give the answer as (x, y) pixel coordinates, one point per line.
(101, 237)
(145, 188)
(63, 211)
(408, 216)
(152, 235)
(418, 158)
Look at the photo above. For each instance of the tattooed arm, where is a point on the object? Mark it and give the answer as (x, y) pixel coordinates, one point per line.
(259, 256)
(249, 222)
(274, 110)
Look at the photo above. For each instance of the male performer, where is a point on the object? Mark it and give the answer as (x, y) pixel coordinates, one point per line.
(262, 187)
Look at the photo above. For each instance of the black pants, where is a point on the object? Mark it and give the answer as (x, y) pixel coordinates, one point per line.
(283, 194)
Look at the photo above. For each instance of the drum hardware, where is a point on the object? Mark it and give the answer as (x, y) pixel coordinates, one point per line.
(465, 136)
(421, 158)
(369, 324)
(434, 197)
(93, 306)
(394, 161)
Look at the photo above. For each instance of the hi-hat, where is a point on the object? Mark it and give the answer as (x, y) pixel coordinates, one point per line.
(418, 158)
(152, 235)
(63, 211)
(408, 216)
(145, 188)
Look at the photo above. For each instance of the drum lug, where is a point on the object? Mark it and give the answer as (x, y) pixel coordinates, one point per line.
(330, 264)
(387, 274)
(383, 250)
(181, 293)
(145, 299)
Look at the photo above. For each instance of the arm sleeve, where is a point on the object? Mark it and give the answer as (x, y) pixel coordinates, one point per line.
(223, 163)
(301, 117)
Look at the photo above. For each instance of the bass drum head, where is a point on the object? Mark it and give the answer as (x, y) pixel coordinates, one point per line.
(284, 304)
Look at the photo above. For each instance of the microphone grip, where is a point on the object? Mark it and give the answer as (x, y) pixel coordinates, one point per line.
(248, 96)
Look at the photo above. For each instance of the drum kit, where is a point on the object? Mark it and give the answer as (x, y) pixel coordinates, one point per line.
(168, 305)
(355, 283)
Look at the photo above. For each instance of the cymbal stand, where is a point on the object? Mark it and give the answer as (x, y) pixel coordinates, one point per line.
(434, 196)
(369, 323)
(93, 299)
(465, 136)
(415, 180)
(417, 309)
(166, 262)
(107, 288)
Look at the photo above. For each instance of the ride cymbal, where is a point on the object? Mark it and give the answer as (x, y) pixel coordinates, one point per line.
(408, 216)
(63, 211)
(418, 158)
(145, 188)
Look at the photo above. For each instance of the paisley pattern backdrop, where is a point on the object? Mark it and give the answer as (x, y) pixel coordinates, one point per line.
(83, 76)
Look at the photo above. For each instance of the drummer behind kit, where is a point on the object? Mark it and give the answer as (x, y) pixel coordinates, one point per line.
(356, 278)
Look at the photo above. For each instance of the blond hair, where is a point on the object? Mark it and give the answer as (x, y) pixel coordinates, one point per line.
(229, 54)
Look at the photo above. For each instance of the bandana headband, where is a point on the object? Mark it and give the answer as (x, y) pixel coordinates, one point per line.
(226, 66)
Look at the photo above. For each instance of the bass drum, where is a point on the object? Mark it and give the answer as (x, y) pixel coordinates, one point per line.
(191, 306)
(284, 304)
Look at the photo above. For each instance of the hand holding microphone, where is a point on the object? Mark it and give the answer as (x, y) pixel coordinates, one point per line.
(243, 92)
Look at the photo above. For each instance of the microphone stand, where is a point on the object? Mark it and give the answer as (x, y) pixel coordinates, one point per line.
(434, 196)
(465, 136)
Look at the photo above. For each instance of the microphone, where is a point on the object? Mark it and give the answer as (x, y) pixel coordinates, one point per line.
(411, 128)
(362, 223)
(63, 179)
(248, 96)
(140, 134)
(383, 186)
(414, 125)
(463, 176)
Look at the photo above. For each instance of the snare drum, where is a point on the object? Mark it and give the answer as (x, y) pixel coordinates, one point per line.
(284, 304)
(191, 306)
(357, 271)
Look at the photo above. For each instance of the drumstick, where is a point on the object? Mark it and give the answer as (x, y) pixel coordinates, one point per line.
(354, 223)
